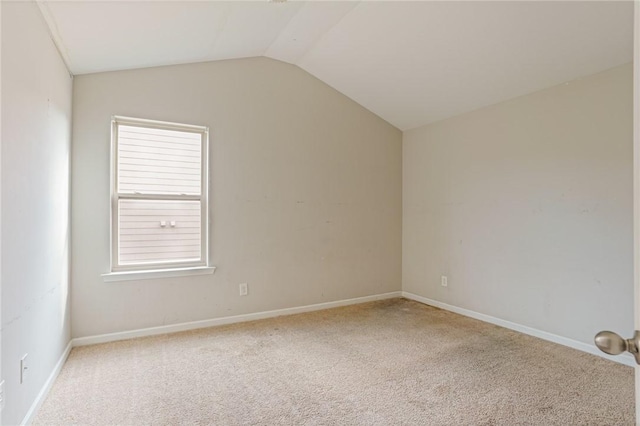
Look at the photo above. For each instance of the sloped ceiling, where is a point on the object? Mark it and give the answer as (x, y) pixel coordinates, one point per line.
(411, 63)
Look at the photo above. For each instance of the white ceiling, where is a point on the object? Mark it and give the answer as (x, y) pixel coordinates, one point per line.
(411, 63)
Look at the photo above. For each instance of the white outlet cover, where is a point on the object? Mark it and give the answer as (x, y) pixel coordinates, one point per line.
(244, 289)
(444, 281)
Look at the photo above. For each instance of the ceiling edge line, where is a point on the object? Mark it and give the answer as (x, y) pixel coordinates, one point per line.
(323, 35)
(284, 27)
(54, 33)
(219, 32)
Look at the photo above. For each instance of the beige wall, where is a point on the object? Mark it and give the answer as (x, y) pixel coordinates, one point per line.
(526, 206)
(36, 135)
(305, 193)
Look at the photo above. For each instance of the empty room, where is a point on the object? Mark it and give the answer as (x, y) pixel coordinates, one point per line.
(289, 212)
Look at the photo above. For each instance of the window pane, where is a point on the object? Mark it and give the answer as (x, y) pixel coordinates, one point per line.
(158, 231)
(157, 161)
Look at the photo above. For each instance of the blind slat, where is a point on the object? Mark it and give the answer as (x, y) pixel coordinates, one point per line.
(151, 149)
(152, 233)
(129, 259)
(154, 213)
(159, 204)
(184, 219)
(141, 141)
(155, 225)
(158, 189)
(160, 243)
(128, 162)
(146, 172)
(160, 179)
(168, 249)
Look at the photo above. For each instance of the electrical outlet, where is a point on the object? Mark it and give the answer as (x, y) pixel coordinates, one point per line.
(1, 395)
(244, 289)
(444, 282)
(23, 368)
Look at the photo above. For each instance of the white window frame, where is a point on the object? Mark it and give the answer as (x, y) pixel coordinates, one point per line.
(203, 262)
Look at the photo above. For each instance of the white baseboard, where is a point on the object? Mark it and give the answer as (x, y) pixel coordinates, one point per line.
(173, 328)
(42, 395)
(82, 341)
(626, 359)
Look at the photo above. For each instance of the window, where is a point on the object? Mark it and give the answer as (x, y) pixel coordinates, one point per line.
(159, 195)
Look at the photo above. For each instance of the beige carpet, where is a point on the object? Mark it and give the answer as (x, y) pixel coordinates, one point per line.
(382, 363)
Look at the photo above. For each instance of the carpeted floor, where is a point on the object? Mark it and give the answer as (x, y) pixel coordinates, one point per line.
(382, 363)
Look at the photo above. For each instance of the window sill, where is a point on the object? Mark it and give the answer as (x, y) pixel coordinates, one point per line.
(157, 273)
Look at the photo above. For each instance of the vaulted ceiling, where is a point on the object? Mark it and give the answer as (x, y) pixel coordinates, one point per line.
(411, 63)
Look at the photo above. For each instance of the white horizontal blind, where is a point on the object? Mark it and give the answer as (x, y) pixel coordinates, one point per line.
(159, 206)
(158, 161)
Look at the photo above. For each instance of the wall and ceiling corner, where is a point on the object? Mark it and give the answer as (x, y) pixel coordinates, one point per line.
(35, 155)
(527, 207)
